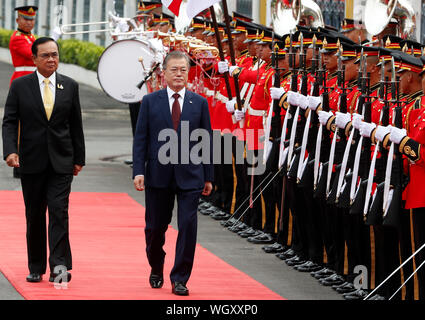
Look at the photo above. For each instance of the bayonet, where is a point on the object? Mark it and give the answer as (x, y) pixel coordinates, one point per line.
(382, 82)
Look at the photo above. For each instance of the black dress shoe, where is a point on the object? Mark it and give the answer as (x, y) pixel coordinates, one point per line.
(261, 238)
(238, 227)
(59, 276)
(156, 280)
(286, 254)
(322, 273)
(346, 287)
(204, 206)
(228, 223)
(359, 294)
(332, 280)
(377, 297)
(308, 266)
(273, 248)
(34, 277)
(179, 288)
(250, 232)
(295, 260)
(220, 215)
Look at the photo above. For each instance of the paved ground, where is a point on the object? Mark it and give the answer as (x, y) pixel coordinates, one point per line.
(108, 144)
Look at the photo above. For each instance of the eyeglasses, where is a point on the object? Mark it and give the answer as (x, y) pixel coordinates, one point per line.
(53, 55)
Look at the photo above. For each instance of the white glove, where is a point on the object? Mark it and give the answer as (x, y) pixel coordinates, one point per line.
(366, 129)
(357, 120)
(223, 66)
(397, 134)
(342, 119)
(302, 101)
(313, 102)
(123, 25)
(239, 114)
(231, 69)
(381, 132)
(292, 98)
(324, 117)
(276, 93)
(56, 33)
(230, 105)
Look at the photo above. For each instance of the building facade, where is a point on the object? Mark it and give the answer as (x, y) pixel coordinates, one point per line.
(57, 12)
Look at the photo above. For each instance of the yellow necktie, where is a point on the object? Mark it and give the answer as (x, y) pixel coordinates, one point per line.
(48, 98)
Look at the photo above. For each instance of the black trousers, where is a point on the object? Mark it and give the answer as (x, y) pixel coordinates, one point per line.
(159, 210)
(47, 191)
(134, 114)
(419, 235)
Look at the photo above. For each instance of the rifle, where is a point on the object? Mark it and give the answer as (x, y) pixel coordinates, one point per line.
(362, 160)
(273, 128)
(307, 175)
(374, 216)
(322, 140)
(293, 110)
(331, 192)
(394, 175)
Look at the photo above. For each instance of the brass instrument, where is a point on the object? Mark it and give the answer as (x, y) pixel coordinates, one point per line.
(378, 14)
(286, 17)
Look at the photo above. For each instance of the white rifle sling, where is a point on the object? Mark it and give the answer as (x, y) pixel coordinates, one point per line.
(267, 143)
(292, 139)
(344, 164)
(303, 147)
(283, 152)
(356, 170)
(388, 179)
(370, 180)
(331, 163)
(317, 155)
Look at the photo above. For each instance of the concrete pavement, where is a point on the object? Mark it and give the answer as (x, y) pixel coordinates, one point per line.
(108, 144)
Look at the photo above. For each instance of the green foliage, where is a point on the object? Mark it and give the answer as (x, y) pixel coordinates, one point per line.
(4, 37)
(72, 51)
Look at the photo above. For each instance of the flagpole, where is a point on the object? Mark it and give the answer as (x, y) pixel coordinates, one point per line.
(232, 53)
(220, 50)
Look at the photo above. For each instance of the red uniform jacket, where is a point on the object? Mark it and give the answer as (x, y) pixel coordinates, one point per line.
(20, 50)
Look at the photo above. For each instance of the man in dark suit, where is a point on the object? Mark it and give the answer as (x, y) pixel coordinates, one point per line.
(182, 113)
(44, 107)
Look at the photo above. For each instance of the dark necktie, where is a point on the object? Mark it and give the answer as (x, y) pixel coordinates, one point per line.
(175, 112)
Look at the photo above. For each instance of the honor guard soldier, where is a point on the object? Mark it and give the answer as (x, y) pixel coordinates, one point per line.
(20, 47)
(21, 42)
(354, 30)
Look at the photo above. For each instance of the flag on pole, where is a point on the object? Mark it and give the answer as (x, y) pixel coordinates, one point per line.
(173, 5)
(194, 7)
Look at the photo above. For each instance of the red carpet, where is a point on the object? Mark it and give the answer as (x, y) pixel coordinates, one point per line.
(109, 261)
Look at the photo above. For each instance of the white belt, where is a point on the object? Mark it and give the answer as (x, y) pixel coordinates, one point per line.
(209, 93)
(220, 97)
(258, 113)
(18, 69)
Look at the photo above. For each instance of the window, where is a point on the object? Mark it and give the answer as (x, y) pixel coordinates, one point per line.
(119, 7)
(13, 25)
(86, 18)
(244, 7)
(74, 16)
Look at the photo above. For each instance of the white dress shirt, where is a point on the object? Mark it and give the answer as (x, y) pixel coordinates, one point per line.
(171, 99)
(52, 84)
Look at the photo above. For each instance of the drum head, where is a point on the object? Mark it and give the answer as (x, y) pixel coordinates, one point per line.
(119, 70)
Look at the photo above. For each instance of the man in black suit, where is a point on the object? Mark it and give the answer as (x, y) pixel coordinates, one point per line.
(181, 113)
(44, 107)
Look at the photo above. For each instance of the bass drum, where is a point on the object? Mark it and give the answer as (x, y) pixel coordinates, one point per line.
(119, 70)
